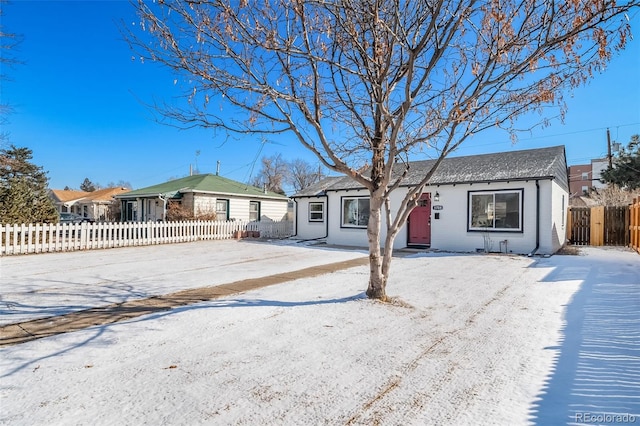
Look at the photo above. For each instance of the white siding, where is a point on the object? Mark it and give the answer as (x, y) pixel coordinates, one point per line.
(239, 208)
(449, 232)
(204, 204)
(274, 210)
(305, 229)
(344, 236)
(154, 210)
(559, 207)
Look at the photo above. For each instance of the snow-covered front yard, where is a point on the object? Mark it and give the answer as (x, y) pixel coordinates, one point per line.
(469, 339)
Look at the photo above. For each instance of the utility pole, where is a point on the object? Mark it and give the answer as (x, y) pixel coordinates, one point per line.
(609, 148)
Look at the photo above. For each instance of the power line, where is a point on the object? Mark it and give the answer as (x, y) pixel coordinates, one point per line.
(563, 134)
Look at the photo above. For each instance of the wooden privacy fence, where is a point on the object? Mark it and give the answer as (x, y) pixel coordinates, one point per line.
(42, 238)
(601, 226)
(634, 224)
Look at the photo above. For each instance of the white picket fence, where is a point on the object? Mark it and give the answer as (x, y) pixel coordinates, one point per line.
(43, 238)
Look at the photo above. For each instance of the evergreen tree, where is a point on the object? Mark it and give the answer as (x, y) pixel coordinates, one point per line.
(23, 189)
(625, 172)
(87, 185)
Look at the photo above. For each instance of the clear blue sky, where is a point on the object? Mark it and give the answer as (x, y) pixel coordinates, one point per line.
(78, 105)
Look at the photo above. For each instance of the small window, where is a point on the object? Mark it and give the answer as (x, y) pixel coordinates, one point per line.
(585, 176)
(355, 212)
(316, 212)
(585, 190)
(254, 210)
(495, 211)
(222, 209)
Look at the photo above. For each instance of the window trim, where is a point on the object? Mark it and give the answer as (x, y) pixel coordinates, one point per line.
(226, 214)
(342, 218)
(312, 203)
(519, 191)
(256, 203)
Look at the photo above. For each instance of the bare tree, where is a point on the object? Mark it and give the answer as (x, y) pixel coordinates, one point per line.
(613, 195)
(376, 81)
(303, 174)
(120, 184)
(272, 174)
(8, 44)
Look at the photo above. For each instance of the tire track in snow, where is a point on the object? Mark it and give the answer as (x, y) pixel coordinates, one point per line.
(374, 410)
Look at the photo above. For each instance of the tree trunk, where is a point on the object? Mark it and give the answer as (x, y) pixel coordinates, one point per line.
(377, 279)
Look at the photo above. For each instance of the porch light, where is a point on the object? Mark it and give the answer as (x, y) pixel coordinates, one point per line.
(436, 197)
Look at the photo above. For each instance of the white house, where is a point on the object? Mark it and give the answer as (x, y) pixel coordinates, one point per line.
(510, 202)
(203, 195)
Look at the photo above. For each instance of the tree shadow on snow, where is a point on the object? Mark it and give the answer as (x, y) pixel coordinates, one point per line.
(99, 335)
(62, 297)
(596, 372)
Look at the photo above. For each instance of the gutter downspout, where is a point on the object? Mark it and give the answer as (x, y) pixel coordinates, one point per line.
(326, 226)
(537, 219)
(295, 218)
(326, 221)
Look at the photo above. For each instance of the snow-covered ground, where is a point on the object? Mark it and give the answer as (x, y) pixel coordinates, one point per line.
(469, 339)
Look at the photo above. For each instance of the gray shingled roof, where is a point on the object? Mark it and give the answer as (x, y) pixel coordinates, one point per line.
(319, 188)
(540, 163)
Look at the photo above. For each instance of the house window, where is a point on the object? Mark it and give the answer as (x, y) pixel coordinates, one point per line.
(495, 210)
(316, 212)
(585, 176)
(585, 190)
(355, 212)
(254, 210)
(222, 209)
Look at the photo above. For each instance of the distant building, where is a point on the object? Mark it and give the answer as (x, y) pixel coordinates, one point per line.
(580, 178)
(584, 177)
(598, 165)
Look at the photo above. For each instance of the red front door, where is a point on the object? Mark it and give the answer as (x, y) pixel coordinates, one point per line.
(420, 221)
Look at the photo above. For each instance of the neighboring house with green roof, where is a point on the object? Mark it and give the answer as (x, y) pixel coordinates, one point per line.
(202, 195)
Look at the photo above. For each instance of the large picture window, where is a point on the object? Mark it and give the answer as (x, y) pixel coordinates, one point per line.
(316, 212)
(355, 212)
(495, 210)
